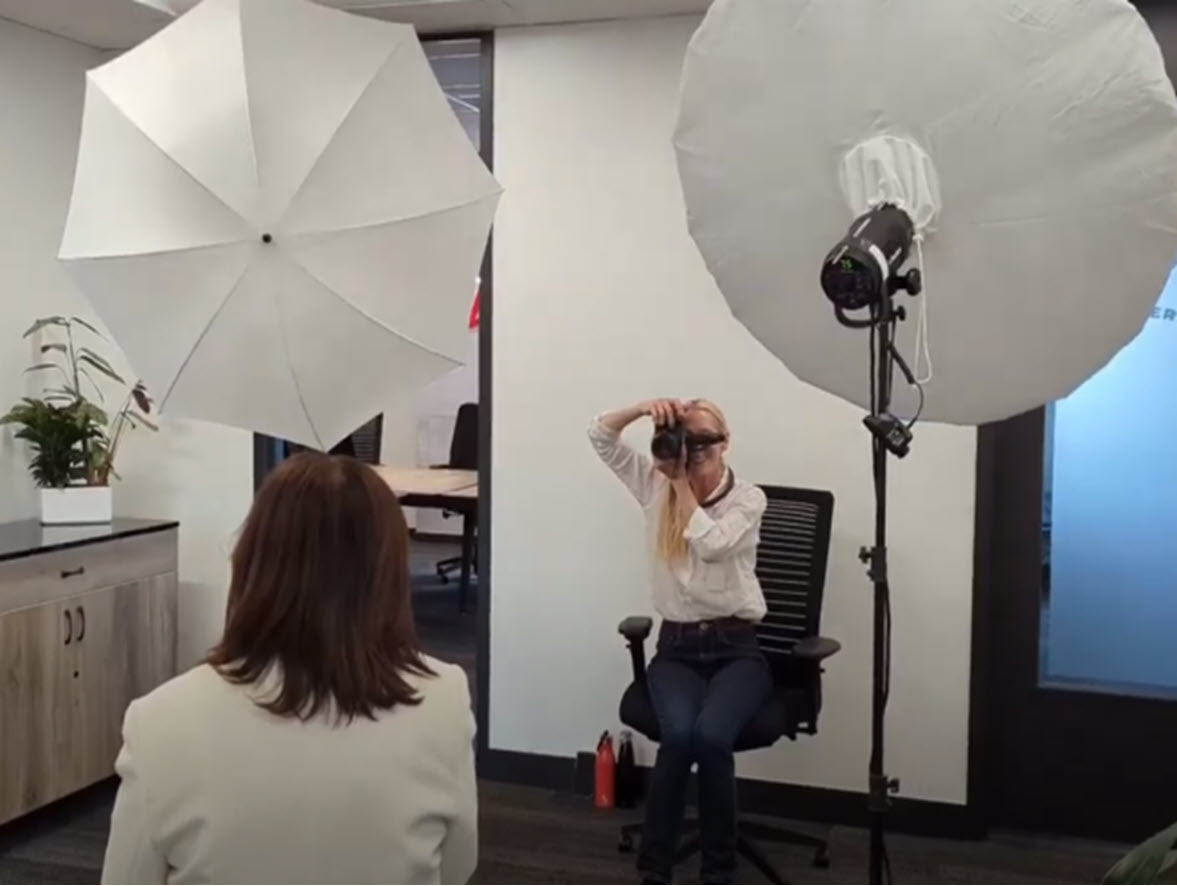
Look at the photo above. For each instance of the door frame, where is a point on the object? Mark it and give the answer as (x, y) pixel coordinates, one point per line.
(1015, 723)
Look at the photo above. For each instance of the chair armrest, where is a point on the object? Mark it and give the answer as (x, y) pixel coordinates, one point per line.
(815, 648)
(635, 629)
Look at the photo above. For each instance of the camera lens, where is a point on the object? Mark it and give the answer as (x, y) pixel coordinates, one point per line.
(668, 442)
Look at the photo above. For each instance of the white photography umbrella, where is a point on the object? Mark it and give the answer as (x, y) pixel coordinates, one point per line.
(278, 216)
(1034, 141)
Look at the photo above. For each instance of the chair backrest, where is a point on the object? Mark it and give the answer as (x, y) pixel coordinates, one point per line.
(791, 565)
(464, 444)
(367, 439)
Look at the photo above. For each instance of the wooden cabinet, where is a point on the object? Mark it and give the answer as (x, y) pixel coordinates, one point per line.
(84, 630)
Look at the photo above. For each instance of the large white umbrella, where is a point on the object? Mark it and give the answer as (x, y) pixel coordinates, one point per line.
(278, 216)
(1045, 132)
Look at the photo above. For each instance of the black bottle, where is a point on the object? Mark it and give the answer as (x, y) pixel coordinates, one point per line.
(627, 788)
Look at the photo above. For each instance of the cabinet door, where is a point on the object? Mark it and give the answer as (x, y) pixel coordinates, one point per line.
(127, 648)
(37, 667)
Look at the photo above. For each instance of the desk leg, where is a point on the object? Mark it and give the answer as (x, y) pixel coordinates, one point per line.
(467, 555)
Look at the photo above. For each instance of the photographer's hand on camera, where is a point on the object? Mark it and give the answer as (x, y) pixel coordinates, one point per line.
(664, 412)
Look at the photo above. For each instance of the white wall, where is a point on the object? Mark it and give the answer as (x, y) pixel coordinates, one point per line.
(197, 473)
(601, 300)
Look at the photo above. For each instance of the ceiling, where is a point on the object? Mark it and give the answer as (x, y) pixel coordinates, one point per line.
(107, 24)
(120, 24)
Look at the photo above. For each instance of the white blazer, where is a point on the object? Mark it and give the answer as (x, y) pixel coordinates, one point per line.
(217, 790)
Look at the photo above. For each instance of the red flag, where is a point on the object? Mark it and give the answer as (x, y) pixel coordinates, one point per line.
(473, 322)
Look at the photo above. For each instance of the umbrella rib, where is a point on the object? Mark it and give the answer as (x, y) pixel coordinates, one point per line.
(342, 120)
(370, 318)
(400, 219)
(153, 253)
(294, 375)
(257, 173)
(196, 345)
(187, 171)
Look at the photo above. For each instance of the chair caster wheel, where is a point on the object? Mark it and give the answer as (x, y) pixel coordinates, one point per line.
(821, 858)
(625, 844)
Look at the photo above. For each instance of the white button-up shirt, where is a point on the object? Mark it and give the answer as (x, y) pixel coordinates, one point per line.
(717, 579)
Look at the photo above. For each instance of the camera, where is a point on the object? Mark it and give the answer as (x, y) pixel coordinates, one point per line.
(671, 440)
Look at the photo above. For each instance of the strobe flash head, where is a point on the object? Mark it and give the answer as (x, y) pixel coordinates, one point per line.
(863, 268)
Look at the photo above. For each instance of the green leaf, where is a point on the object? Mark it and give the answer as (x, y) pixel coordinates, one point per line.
(1168, 872)
(84, 372)
(142, 398)
(42, 323)
(82, 322)
(88, 412)
(1146, 862)
(38, 367)
(94, 355)
(88, 356)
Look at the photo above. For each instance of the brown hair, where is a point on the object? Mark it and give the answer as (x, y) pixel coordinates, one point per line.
(320, 590)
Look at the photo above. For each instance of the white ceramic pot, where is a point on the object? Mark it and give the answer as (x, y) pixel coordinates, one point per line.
(76, 504)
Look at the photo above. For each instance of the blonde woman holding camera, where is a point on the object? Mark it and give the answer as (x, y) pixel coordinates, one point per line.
(708, 678)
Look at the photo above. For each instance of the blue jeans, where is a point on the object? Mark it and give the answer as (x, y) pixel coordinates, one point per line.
(706, 682)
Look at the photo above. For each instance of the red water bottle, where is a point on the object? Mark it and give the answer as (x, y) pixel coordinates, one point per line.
(605, 773)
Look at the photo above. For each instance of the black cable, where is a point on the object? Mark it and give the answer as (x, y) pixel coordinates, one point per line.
(886, 648)
(919, 389)
(894, 354)
(874, 402)
(897, 359)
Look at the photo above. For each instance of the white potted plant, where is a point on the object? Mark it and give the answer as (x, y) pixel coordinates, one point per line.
(72, 439)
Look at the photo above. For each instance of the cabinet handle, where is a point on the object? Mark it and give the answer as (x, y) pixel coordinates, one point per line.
(82, 621)
(69, 627)
(70, 573)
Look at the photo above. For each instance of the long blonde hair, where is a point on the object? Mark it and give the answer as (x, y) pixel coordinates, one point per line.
(671, 544)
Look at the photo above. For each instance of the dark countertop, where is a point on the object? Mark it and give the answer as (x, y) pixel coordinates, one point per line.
(28, 537)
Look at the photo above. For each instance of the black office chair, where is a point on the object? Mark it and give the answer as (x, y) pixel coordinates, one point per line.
(791, 566)
(463, 456)
(366, 440)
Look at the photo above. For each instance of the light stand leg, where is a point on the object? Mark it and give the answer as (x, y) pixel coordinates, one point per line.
(880, 786)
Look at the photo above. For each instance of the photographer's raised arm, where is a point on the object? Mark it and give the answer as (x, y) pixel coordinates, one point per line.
(712, 539)
(633, 468)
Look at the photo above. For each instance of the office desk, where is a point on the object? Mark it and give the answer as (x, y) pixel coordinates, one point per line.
(445, 489)
(426, 481)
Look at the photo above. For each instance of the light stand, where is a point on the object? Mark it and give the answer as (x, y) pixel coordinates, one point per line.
(862, 272)
(889, 436)
(880, 785)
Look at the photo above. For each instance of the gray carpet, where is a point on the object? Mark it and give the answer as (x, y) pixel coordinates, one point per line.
(535, 836)
(442, 631)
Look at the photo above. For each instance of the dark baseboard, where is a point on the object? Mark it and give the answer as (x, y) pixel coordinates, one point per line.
(788, 801)
(531, 770)
(435, 537)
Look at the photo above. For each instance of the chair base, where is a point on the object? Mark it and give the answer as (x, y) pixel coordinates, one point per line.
(454, 564)
(446, 566)
(747, 850)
